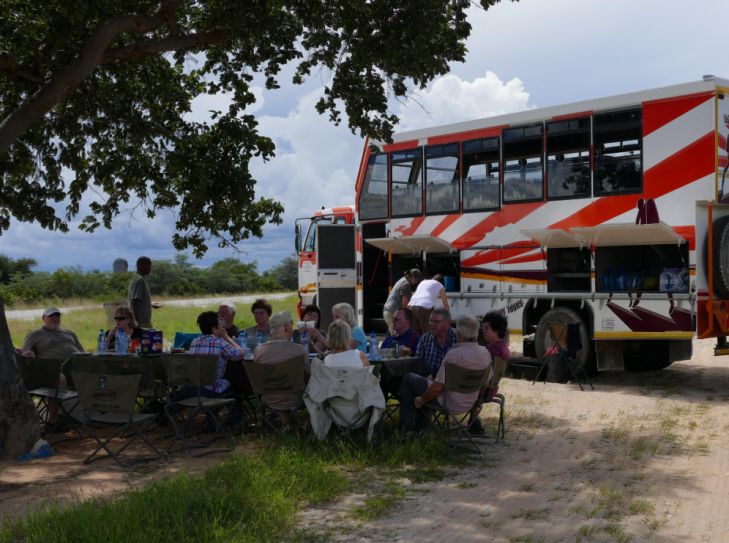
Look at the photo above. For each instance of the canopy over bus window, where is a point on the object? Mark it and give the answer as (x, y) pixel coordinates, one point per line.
(412, 245)
(623, 234)
(554, 238)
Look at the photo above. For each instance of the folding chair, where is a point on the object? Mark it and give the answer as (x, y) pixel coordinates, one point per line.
(272, 381)
(41, 377)
(459, 380)
(110, 400)
(347, 397)
(497, 398)
(566, 344)
(196, 371)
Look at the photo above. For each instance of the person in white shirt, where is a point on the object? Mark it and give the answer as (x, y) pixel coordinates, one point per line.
(339, 337)
(423, 302)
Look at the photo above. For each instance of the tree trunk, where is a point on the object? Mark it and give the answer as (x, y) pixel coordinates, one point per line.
(19, 428)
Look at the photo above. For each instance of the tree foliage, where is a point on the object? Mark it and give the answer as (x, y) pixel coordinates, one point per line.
(93, 97)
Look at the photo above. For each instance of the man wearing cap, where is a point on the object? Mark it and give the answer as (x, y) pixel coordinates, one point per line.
(140, 299)
(400, 295)
(50, 340)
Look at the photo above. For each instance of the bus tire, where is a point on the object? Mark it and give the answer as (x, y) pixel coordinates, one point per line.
(720, 250)
(646, 356)
(543, 342)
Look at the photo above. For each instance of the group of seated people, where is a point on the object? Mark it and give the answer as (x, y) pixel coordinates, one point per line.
(344, 344)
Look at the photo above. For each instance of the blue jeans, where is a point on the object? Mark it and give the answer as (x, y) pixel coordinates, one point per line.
(411, 419)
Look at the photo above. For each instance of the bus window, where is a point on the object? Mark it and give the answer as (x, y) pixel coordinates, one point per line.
(373, 197)
(568, 159)
(523, 169)
(481, 174)
(618, 150)
(407, 184)
(442, 179)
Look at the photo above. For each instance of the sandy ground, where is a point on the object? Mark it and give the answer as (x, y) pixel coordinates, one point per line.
(641, 458)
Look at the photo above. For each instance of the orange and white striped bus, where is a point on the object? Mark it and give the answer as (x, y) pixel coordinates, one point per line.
(612, 213)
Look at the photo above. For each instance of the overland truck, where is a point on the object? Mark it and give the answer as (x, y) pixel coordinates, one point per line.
(612, 213)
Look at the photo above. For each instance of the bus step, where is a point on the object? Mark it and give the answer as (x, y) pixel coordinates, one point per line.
(522, 367)
(720, 352)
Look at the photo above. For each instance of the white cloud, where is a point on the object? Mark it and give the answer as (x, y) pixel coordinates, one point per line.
(203, 104)
(451, 99)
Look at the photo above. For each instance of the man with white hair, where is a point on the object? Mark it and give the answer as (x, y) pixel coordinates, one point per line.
(226, 316)
(278, 349)
(416, 390)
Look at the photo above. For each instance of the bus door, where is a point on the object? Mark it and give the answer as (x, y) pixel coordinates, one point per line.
(336, 276)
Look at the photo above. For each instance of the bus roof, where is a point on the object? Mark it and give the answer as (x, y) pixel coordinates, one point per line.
(421, 137)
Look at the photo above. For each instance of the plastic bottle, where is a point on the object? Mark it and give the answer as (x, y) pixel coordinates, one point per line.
(101, 342)
(374, 353)
(397, 350)
(120, 343)
(305, 340)
(259, 338)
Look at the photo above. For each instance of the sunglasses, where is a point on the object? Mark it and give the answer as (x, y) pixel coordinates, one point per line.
(120, 318)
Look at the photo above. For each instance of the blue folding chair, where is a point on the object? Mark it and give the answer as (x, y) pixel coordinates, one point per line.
(184, 339)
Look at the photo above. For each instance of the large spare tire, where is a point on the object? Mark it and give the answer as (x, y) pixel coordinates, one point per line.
(543, 342)
(720, 250)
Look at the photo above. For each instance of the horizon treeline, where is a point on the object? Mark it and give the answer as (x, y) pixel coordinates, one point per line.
(20, 285)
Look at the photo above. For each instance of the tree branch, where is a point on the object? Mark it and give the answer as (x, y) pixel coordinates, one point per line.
(70, 77)
(10, 66)
(173, 43)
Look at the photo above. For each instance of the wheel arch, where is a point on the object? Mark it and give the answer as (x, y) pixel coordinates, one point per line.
(536, 308)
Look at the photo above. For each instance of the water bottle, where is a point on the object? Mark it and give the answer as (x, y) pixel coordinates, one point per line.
(305, 340)
(259, 338)
(374, 353)
(242, 340)
(101, 342)
(397, 350)
(120, 343)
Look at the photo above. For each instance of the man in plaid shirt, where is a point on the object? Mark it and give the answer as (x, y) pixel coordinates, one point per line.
(214, 340)
(434, 345)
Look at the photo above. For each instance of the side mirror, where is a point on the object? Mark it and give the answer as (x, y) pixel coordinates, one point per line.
(297, 239)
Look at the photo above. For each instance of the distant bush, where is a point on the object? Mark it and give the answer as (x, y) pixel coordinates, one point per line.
(178, 278)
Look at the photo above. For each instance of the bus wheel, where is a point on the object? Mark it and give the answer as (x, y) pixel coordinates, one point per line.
(720, 250)
(646, 355)
(543, 343)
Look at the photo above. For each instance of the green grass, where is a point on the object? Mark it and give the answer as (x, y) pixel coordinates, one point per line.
(245, 498)
(87, 322)
(380, 504)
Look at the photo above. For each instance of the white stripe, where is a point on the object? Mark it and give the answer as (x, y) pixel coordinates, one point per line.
(678, 134)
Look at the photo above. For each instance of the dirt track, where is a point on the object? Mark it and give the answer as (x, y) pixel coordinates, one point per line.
(642, 458)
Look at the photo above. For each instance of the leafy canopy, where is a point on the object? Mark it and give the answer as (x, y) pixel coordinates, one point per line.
(93, 97)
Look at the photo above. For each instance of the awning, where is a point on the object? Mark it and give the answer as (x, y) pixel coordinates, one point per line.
(553, 238)
(412, 245)
(608, 235)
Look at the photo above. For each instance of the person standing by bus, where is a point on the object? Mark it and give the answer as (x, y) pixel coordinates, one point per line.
(423, 302)
(400, 295)
(139, 297)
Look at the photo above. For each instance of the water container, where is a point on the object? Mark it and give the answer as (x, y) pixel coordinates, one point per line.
(120, 342)
(305, 340)
(242, 340)
(450, 282)
(101, 342)
(259, 338)
(374, 353)
(673, 280)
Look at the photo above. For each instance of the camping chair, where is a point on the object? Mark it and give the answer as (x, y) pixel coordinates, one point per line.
(459, 380)
(110, 400)
(196, 371)
(184, 339)
(498, 398)
(272, 381)
(347, 397)
(566, 344)
(41, 377)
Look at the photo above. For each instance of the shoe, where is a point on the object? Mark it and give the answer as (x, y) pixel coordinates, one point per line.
(475, 428)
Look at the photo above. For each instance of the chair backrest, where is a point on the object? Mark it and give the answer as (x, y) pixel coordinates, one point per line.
(191, 369)
(39, 372)
(558, 333)
(184, 339)
(285, 376)
(106, 393)
(132, 365)
(464, 380)
(499, 371)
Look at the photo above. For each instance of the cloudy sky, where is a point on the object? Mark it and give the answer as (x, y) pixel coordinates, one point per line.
(533, 53)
